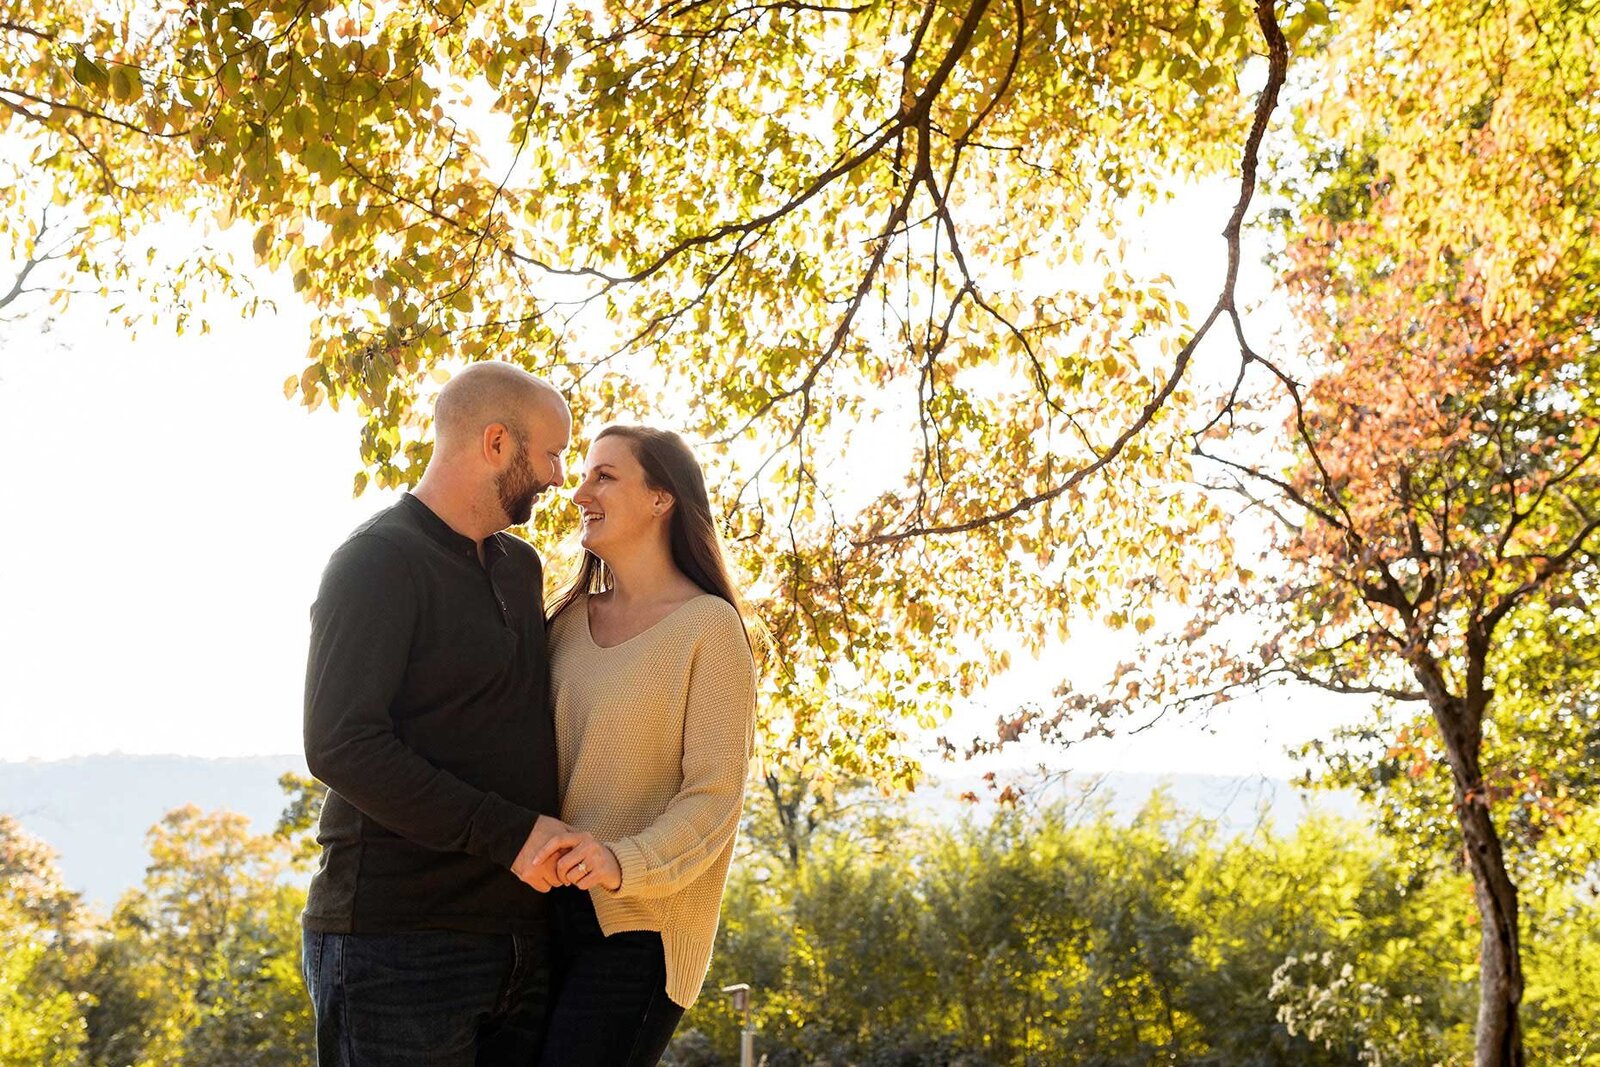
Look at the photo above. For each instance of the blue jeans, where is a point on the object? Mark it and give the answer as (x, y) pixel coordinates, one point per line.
(612, 1008)
(428, 998)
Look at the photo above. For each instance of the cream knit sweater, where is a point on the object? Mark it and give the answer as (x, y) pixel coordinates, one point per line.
(654, 739)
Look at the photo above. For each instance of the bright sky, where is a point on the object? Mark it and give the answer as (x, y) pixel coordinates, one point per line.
(169, 514)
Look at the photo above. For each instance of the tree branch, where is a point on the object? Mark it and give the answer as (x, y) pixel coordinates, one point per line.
(1278, 60)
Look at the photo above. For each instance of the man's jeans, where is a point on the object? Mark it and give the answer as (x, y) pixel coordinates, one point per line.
(439, 998)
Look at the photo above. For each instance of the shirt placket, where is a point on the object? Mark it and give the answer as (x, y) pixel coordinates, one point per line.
(495, 557)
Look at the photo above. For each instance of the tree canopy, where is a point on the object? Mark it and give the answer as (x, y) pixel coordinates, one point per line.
(806, 230)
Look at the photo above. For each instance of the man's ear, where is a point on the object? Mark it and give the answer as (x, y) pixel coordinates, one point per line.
(497, 442)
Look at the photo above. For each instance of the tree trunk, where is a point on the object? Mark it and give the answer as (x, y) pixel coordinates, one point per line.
(1499, 1029)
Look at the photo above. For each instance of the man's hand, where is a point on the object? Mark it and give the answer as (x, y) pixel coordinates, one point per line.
(532, 864)
(582, 861)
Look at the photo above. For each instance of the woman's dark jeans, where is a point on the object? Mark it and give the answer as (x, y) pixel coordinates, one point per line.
(428, 998)
(612, 1008)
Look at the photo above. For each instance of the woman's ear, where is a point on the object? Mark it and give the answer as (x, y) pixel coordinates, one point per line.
(663, 504)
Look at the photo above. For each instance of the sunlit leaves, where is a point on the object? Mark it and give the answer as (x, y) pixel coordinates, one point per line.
(805, 234)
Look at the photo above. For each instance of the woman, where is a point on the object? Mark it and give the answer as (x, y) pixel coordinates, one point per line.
(653, 687)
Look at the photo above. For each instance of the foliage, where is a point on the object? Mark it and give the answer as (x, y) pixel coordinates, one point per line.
(1449, 476)
(1541, 757)
(31, 883)
(41, 1021)
(41, 1011)
(1431, 505)
(92, 166)
(798, 231)
(1032, 937)
(200, 964)
(790, 805)
(1563, 974)
(298, 823)
(819, 226)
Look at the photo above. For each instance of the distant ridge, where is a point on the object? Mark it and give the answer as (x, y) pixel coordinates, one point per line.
(95, 810)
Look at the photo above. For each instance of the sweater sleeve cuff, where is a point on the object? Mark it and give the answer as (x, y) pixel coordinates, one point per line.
(631, 860)
(500, 829)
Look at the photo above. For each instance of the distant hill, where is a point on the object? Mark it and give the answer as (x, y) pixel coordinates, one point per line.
(95, 810)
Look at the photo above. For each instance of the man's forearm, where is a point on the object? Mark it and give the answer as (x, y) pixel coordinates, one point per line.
(406, 794)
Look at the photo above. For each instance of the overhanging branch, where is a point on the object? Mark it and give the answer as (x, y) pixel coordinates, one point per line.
(1266, 104)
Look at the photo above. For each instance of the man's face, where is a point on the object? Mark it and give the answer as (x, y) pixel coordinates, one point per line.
(536, 463)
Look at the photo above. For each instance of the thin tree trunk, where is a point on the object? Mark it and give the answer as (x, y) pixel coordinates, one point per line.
(1499, 1028)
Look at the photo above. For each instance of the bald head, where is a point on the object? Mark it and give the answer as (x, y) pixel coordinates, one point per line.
(499, 437)
(484, 394)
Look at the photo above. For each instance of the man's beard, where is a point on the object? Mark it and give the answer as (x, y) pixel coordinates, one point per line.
(516, 487)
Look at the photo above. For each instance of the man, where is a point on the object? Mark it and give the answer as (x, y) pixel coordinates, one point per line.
(427, 716)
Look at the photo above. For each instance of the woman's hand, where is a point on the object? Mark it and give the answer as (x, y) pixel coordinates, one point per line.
(587, 863)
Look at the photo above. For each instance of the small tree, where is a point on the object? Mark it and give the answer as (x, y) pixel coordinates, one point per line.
(201, 964)
(41, 1009)
(1440, 514)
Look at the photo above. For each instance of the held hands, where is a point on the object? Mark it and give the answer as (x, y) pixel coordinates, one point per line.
(580, 861)
(534, 863)
(556, 854)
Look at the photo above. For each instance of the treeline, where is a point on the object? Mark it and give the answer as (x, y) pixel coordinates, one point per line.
(1053, 936)
(197, 965)
(1045, 934)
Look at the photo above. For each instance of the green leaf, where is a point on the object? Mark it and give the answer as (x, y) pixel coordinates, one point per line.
(125, 85)
(88, 73)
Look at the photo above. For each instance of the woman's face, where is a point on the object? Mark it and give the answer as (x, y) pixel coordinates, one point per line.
(618, 507)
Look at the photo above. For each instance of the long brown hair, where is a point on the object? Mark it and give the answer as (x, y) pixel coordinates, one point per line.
(669, 467)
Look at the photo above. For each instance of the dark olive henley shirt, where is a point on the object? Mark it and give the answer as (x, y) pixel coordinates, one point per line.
(427, 715)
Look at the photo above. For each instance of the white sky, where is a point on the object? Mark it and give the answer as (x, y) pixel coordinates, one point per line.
(168, 514)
